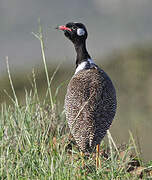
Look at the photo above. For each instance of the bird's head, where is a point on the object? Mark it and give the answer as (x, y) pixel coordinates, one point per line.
(74, 31)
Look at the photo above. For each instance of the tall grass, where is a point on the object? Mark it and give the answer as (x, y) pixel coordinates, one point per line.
(39, 36)
(35, 143)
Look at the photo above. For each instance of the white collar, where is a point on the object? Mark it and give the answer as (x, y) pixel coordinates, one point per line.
(82, 65)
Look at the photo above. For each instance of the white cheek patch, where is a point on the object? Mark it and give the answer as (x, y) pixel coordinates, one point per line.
(80, 32)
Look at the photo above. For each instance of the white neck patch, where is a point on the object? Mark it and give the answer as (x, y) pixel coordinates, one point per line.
(80, 32)
(82, 65)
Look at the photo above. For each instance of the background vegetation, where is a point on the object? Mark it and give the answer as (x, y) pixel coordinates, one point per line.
(34, 138)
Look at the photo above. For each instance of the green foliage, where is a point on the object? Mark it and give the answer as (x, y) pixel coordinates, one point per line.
(34, 144)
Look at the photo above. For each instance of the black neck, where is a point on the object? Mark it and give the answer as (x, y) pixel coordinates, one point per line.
(82, 53)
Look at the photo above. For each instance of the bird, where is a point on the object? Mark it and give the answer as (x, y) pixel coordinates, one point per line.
(90, 101)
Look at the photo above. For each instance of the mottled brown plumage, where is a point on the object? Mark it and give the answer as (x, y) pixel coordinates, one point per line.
(90, 106)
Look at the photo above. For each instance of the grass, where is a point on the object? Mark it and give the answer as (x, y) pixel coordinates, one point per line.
(35, 143)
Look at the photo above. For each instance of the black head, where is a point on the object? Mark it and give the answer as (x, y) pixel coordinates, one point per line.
(74, 31)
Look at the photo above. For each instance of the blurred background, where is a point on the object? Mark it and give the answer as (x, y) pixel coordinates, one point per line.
(120, 41)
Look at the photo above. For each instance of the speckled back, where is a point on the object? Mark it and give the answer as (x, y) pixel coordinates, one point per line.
(90, 106)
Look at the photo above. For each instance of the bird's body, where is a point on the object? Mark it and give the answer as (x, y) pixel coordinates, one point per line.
(90, 106)
(90, 102)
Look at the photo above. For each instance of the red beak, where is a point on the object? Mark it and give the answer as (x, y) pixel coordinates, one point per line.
(63, 28)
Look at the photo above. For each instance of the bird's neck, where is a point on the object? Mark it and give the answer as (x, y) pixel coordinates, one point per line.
(82, 53)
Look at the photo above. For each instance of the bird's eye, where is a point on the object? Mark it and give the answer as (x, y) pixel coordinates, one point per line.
(74, 28)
